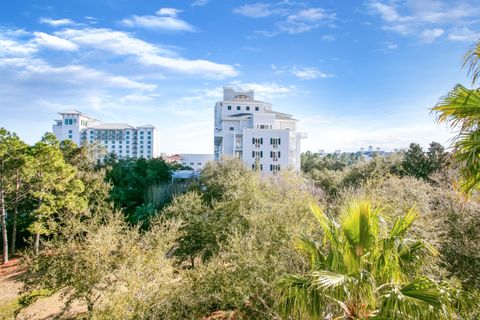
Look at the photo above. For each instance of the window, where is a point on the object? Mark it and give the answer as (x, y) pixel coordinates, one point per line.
(257, 142)
(255, 167)
(229, 108)
(275, 155)
(70, 131)
(69, 136)
(191, 163)
(70, 121)
(257, 154)
(232, 128)
(199, 163)
(248, 108)
(257, 108)
(239, 108)
(275, 142)
(274, 168)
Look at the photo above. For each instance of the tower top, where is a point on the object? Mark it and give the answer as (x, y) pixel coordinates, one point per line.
(235, 93)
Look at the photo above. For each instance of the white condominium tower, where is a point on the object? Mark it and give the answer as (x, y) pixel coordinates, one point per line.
(248, 129)
(124, 140)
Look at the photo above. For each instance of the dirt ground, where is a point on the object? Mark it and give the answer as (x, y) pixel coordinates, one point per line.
(43, 308)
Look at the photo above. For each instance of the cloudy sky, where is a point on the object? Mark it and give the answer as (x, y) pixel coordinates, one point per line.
(355, 73)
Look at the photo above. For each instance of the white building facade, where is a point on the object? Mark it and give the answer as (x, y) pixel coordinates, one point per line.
(121, 139)
(265, 140)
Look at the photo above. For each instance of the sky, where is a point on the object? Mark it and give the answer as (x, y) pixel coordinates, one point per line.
(354, 73)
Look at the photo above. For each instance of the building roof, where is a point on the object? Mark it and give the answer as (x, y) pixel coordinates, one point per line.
(281, 115)
(146, 126)
(112, 126)
(71, 111)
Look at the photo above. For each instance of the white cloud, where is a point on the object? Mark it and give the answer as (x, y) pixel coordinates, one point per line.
(54, 42)
(328, 37)
(303, 73)
(464, 34)
(166, 20)
(426, 20)
(267, 90)
(255, 10)
(430, 35)
(199, 3)
(56, 22)
(309, 73)
(171, 12)
(37, 70)
(11, 47)
(295, 17)
(306, 20)
(121, 43)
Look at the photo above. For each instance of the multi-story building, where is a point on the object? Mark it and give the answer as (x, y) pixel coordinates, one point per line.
(122, 139)
(264, 139)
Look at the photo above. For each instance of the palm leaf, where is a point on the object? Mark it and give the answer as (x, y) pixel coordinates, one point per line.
(325, 279)
(460, 108)
(310, 248)
(420, 299)
(402, 224)
(472, 59)
(359, 226)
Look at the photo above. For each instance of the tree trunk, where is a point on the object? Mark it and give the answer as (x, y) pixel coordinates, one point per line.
(36, 246)
(15, 216)
(3, 223)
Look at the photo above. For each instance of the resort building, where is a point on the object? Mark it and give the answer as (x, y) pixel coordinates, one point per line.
(121, 139)
(196, 161)
(249, 129)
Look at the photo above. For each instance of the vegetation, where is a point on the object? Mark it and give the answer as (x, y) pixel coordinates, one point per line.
(362, 269)
(390, 238)
(460, 108)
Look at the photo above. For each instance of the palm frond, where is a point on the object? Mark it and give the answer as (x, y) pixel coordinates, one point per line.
(359, 224)
(310, 248)
(325, 279)
(420, 299)
(472, 60)
(460, 108)
(297, 299)
(402, 224)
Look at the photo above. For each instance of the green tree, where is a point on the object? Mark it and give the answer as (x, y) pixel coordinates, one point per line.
(460, 108)
(54, 187)
(14, 168)
(131, 180)
(361, 269)
(415, 162)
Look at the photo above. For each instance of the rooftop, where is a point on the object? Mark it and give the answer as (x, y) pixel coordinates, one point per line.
(112, 126)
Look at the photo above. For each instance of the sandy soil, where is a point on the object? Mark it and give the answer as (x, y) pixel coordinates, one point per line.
(42, 309)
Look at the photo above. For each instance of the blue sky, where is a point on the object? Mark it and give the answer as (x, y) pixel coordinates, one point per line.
(355, 73)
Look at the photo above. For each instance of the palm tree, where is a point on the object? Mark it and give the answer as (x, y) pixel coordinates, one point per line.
(460, 108)
(361, 269)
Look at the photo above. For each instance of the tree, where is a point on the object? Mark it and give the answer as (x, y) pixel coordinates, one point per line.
(361, 269)
(54, 187)
(13, 171)
(437, 157)
(460, 108)
(131, 180)
(415, 162)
